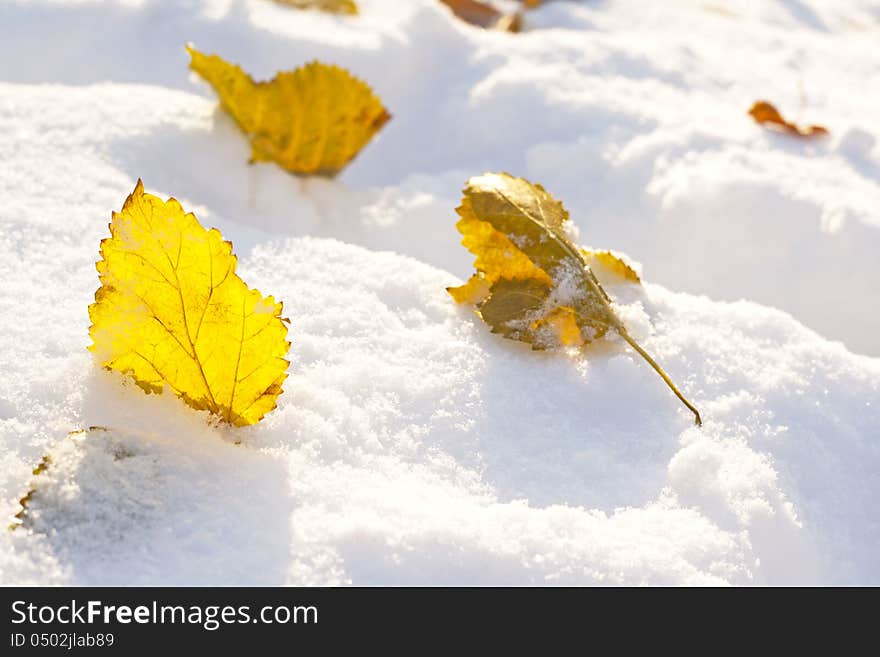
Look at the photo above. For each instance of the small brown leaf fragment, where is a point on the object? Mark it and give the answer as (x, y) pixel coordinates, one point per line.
(484, 15)
(331, 6)
(767, 115)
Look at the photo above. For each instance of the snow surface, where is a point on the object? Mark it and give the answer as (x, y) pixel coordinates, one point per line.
(411, 446)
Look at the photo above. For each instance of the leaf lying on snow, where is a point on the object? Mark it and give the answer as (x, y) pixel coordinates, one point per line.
(312, 120)
(533, 284)
(766, 114)
(171, 311)
(331, 6)
(484, 15)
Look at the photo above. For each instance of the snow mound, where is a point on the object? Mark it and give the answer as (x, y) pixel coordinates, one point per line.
(411, 446)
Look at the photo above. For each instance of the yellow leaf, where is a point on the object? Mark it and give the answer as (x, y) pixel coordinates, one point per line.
(312, 120)
(171, 311)
(532, 283)
(331, 6)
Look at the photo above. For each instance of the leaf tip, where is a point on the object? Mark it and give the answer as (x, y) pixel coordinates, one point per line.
(380, 121)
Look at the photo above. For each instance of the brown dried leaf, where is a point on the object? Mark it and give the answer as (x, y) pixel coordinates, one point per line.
(484, 15)
(767, 115)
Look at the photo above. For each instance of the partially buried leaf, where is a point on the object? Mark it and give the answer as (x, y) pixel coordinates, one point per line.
(171, 311)
(766, 114)
(312, 120)
(24, 502)
(484, 15)
(331, 6)
(532, 283)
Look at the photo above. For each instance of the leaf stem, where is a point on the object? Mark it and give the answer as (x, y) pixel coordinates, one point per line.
(644, 354)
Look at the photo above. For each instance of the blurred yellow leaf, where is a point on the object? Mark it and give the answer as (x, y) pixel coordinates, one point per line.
(331, 6)
(312, 120)
(171, 311)
(532, 283)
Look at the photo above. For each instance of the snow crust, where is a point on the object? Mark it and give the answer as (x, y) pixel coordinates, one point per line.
(411, 446)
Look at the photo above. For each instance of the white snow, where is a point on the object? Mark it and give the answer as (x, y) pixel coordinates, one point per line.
(411, 446)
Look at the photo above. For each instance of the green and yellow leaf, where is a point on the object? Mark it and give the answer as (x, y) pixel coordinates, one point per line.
(311, 121)
(171, 312)
(532, 283)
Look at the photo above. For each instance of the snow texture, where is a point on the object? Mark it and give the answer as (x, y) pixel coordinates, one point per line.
(411, 446)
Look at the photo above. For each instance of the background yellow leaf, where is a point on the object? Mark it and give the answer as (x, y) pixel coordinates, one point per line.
(532, 283)
(331, 6)
(171, 311)
(312, 120)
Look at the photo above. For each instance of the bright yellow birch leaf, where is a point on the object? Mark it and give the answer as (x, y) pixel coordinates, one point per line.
(332, 6)
(171, 311)
(311, 121)
(532, 283)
